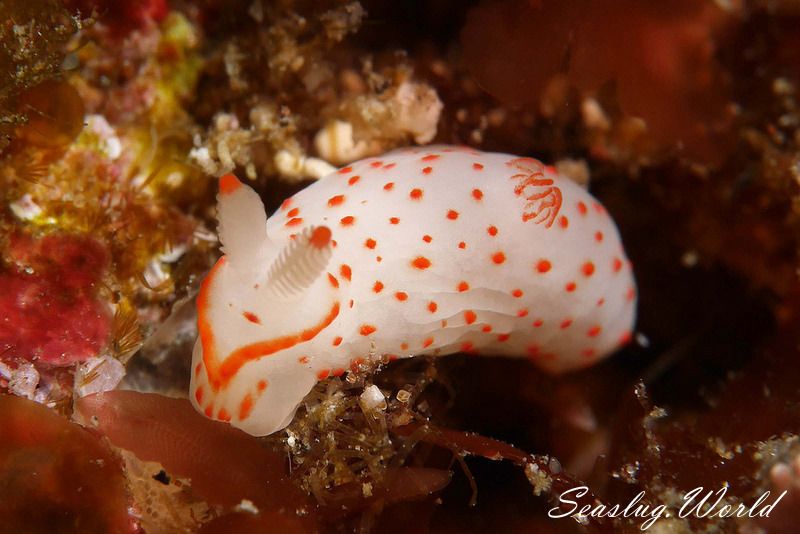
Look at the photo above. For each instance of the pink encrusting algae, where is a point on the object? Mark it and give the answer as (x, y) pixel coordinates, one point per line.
(431, 250)
(50, 311)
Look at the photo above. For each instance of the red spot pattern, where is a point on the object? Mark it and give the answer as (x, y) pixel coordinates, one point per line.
(416, 194)
(252, 317)
(462, 286)
(477, 194)
(452, 215)
(348, 221)
(498, 258)
(370, 243)
(421, 262)
(335, 200)
(492, 231)
(367, 329)
(353, 180)
(378, 286)
(401, 296)
(543, 266)
(346, 272)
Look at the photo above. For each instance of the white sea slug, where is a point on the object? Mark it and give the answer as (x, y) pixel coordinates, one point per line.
(433, 250)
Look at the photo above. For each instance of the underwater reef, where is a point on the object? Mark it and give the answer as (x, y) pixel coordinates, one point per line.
(118, 122)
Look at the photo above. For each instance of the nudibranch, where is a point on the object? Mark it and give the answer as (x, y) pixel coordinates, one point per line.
(430, 250)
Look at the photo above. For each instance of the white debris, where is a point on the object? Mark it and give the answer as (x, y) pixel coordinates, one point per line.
(335, 143)
(98, 374)
(23, 381)
(293, 165)
(372, 399)
(25, 208)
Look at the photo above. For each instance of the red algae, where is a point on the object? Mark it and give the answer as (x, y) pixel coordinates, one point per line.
(55, 476)
(224, 464)
(50, 312)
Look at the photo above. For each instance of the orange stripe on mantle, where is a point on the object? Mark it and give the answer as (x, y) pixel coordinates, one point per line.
(220, 375)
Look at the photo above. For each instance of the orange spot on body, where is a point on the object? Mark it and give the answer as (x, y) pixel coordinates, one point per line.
(394, 220)
(477, 166)
(294, 222)
(345, 271)
(303, 359)
(477, 194)
(522, 313)
(367, 329)
(563, 222)
(427, 238)
(543, 266)
(228, 184)
(261, 385)
(223, 415)
(401, 296)
(582, 208)
(198, 395)
(486, 329)
(432, 307)
(351, 303)
(388, 186)
(197, 370)
(625, 338)
(503, 337)
(462, 245)
(537, 323)
(345, 170)
(415, 194)
(337, 341)
(378, 286)
(565, 323)
(498, 258)
(252, 317)
(404, 346)
(587, 268)
(463, 286)
(594, 331)
(431, 157)
(285, 204)
(617, 265)
(294, 212)
(492, 231)
(631, 294)
(427, 170)
(467, 346)
(390, 166)
(517, 293)
(335, 200)
(598, 236)
(570, 287)
(332, 279)
(245, 407)
(421, 262)
(209, 411)
(221, 373)
(452, 215)
(347, 221)
(376, 164)
(470, 316)
(353, 180)
(427, 343)
(320, 237)
(601, 301)
(322, 375)
(370, 243)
